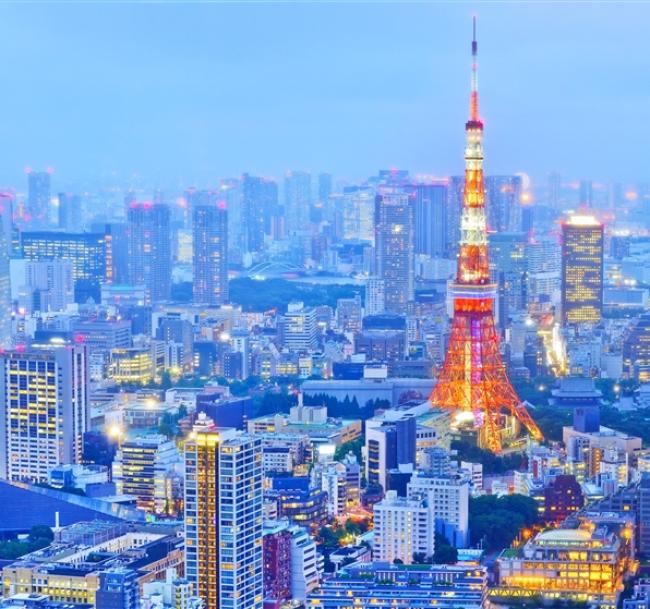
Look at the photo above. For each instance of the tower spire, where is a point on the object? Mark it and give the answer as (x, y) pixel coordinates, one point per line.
(473, 109)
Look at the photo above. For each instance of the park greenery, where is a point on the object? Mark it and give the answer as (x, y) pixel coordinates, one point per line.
(39, 537)
(278, 293)
(348, 408)
(497, 521)
(492, 464)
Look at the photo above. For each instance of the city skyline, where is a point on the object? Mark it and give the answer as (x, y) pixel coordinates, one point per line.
(178, 96)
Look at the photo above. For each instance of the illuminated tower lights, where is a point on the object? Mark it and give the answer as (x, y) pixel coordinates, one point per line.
(473, 381)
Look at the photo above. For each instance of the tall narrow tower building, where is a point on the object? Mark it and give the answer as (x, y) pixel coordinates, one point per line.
(473, 381)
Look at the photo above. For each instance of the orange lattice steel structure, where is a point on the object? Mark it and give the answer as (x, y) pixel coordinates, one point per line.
(473, 381)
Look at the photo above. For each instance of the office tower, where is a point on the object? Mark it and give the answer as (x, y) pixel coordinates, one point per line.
(116, 241)
(349, 314)
(38, 199)
(508, 271)
(210, 260)
(394, 249)
(223, 516)
(297, 200)
(554, 190)
(42, 285)
(430, 217)
(582, 270)
(150, 249)
(319, 209)
(146, 467)
(260, 213)
(375, 296)
(586, 193)
(455, 193)
(6, 231)
(300, 330)
(44, 393)
(403, 530)
(390, 442)
(503, 203)
(473, 383)
(70, 216)
(86, 252)
(358, 214)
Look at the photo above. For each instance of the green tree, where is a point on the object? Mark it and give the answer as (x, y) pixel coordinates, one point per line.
(445, 553)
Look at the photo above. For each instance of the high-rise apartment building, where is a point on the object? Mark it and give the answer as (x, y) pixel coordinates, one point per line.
(70, 216)
(44, 397)
(582, 270)
(297, 200)
(6, 230)
(150, 249)
(430, 217)
(394, 248)
(260, 213)
(223, 516)
(403, 530)
(145, 467)
(210, 247)
(325, 188)
(37, 208)
(357, 218)
(503, 203)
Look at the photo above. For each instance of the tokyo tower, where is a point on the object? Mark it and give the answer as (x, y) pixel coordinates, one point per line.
(473, 381)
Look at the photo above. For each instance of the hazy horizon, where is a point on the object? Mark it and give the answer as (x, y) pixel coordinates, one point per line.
(184, 93)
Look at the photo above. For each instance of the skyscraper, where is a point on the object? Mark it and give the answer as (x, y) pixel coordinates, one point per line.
(297, 199)
(44, 397)
(260, 213)
(210, 247)
(582, 270)
(150, 249)
(324, 192)
(430, 215)
(223, 516)
(503, 203)
(6, 230)
(69, 211)
(394, 248)
(586, 193)
(473, 383)
(38, 199)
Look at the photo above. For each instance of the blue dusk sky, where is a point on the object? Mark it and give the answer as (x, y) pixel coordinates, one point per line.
(186, 92)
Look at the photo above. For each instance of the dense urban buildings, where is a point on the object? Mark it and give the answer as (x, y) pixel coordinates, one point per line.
(233, 391)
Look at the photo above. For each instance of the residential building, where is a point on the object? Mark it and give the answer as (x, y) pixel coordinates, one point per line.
(403, 530)
(149, 249)
(223, 517)
(394, 248)
(210, 253)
